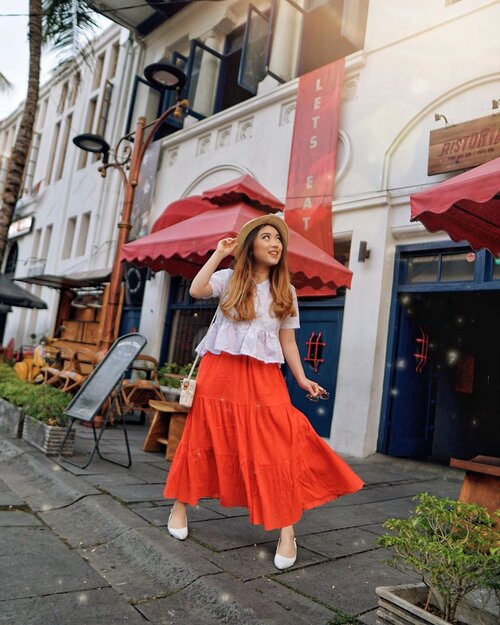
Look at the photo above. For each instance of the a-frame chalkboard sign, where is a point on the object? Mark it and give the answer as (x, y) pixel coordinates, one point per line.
(96, 389)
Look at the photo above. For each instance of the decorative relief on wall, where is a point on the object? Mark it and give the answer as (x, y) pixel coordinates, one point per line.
(287, 113)
(245, 129)
(172, 156)
(344, 155)
(351, 88)
(224, 137)
(203, 145)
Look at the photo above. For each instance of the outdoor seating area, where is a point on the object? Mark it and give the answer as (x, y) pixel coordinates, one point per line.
(141, 399)
(58, 366)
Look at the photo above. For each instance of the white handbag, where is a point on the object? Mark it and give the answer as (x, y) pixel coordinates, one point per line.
(188, 385)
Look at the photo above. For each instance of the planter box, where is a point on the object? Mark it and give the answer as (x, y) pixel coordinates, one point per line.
(11, 418)
(47, 438)
(397, 605)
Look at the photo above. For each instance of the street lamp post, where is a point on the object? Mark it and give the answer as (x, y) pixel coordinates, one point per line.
(164, 76)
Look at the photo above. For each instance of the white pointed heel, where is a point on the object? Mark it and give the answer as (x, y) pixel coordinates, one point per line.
(179, 533)
(280, 562)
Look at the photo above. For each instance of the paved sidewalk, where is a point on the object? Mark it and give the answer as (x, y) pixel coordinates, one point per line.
(84, 547)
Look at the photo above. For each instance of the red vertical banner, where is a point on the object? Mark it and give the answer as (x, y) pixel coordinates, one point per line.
(311, 176)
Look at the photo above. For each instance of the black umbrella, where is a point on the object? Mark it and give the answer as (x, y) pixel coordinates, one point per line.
(13, 295)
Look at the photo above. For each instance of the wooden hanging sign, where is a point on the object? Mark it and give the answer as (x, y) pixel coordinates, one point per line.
(464, 145)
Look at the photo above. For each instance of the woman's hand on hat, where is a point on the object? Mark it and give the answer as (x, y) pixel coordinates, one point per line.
(225, 247)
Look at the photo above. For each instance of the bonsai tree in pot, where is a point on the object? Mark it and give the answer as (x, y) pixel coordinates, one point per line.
(454, 548)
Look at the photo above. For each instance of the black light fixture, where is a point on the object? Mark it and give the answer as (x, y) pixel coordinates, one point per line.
(164, 75)
(363, 252)
(93, 143)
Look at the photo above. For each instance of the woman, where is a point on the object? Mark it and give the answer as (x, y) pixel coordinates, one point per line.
(244, 443)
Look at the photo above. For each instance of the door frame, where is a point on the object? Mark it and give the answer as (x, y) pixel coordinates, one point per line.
(482, 281)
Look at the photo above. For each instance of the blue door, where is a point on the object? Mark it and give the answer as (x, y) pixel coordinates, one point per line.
(130, 320)
(318, 340)
(412, 397)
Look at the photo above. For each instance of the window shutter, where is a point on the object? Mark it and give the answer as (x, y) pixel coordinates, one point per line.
(255, 50)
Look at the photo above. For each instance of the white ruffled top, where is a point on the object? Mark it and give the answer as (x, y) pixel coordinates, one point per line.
(258, 338)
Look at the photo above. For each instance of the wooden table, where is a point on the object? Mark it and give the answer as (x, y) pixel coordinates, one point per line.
(166, 427)
(481, 482)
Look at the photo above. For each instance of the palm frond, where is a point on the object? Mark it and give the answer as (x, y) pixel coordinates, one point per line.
(5, 84)
(57, 23)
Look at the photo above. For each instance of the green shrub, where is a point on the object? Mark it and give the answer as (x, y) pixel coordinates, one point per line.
(7, 372)
(452, 545)
(179, 371)
(47, 404)
(40, 401)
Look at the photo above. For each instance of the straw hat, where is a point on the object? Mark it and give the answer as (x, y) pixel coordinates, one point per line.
(264, 220)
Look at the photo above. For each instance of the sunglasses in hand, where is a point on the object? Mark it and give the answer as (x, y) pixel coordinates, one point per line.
(323, 395)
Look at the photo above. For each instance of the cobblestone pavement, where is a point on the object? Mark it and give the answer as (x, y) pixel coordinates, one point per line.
(91, 546)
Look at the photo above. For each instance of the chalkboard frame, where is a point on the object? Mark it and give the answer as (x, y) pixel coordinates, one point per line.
(104, 379)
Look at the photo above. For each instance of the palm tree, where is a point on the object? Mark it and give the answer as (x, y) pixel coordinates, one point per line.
(53, 22)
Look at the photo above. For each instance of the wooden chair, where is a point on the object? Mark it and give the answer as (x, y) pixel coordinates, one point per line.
(82, 364)
(57, 359)
(142, 386)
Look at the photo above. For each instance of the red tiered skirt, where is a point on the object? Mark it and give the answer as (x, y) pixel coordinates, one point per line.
(246, 445)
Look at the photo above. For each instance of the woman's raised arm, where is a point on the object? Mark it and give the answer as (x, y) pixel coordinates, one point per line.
(200, 286)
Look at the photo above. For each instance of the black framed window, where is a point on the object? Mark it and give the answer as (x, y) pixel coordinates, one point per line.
(170, 97)
(146, 101)
(149, 102)
(254, 51)
(189, 320)
(454, 265)
(307, 34)
(294, 37)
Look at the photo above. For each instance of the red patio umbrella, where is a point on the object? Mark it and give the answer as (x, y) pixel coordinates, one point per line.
(182, 248)
(246, 189)
(181, 210)
(466, 206)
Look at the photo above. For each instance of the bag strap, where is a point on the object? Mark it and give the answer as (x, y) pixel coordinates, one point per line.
(190, 374)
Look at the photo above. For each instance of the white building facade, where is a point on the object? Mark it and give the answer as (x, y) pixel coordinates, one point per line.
(415, 60)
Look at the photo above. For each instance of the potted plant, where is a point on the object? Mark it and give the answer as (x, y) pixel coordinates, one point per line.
(454, 548)
(11, 415)
(37, 410)
(44, 422)
(170, 376)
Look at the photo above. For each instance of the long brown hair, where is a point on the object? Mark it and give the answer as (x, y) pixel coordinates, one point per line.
(238, 302)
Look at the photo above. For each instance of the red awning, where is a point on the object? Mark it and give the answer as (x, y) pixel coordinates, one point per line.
(466, 206)
(183, 247)
(181, 210)
(246, 189)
